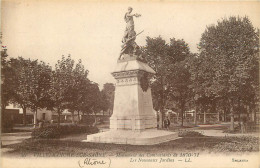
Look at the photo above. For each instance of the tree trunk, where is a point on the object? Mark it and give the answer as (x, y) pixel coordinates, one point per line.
(78, 116)
(182, 112)
(182, 118)
(225, 114)
(35, 118)
(204, 117)
(95, 117)
(2, 116)
(222, 115)
(232, 124)
(195, 115)
(157, 120)
(24, 116)
(213, 108)
(238, 110)
(232, 127)
(59, 116)
(218, 116)
(253, 112)
(72, 117)
(241, 124)
(162, 100)
(83, 116)
(225, 101)
(162, 114)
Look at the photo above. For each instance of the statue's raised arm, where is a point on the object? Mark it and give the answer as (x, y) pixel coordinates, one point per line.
(136, 14)
(129, 46)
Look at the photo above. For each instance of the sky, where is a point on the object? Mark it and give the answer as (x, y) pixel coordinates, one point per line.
(92, 30)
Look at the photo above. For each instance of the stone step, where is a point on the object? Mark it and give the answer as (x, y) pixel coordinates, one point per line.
(146, 137)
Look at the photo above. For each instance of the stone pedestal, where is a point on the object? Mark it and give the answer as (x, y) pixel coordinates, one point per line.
(133, 120)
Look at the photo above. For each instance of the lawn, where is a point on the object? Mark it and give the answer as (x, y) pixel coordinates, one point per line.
(190, 142)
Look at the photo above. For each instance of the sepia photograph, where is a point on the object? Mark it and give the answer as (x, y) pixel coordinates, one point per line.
(127, 84)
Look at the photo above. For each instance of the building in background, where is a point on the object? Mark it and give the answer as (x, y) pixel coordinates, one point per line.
(14, 112)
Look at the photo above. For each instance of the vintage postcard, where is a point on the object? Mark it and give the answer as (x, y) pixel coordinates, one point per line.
(125, 84)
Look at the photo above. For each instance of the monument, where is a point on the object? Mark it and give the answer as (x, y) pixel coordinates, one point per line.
(133, 120)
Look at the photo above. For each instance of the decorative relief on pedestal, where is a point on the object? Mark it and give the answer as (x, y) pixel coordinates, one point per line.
(127, 81)
(125, 74)
(133, 77)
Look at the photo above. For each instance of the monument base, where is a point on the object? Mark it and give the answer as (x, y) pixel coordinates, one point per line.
(145, 137)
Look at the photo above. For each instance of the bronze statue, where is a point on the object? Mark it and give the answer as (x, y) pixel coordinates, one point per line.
(129, 45)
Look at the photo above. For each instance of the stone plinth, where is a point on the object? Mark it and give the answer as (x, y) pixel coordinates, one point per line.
(133, 120)
(146, 137)
(133, 108)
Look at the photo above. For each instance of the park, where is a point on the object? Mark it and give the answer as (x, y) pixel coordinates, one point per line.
(165, 100)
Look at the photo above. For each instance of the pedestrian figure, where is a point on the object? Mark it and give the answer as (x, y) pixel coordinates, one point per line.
(167, 123)
(41, 124)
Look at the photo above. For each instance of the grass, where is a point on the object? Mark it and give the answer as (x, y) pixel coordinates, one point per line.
(188, 143)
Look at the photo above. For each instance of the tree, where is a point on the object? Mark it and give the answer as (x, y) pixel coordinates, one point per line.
(229, 68)
(26, 82)
(108, 92)
(156, 52)
(78, 89)
(179, 86)
(164, 59)
(90, 99)
(61, 83)
(201, 69)
(7, 87)
(179, 75)
(7, 82)
(38, 85)
(95, 102)
(22, 78)
(71, 89)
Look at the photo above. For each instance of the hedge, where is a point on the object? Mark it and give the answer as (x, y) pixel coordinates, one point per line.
(190, 133)
(55, 131)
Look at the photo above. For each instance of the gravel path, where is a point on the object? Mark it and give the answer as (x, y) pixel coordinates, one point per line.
(13, 138)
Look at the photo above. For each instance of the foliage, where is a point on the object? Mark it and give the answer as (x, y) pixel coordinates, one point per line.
(39, 83)
(60, 84)
(238, 144)
(155, 53)
(108, 92)
(224, 76)
(33, 80)
(77, 89)
(227, 69)
(7, 80)
(171, 81)
(7, 88)
(71, 89)
(229, 57)
(190, 134)
(96, 100)
(55, 131)
(69, 84)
